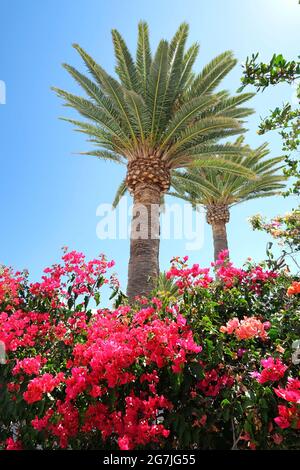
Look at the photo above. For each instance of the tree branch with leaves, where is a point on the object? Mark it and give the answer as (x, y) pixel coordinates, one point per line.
(285, 119)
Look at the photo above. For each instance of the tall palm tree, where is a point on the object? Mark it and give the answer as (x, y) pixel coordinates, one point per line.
(218, 191)
(157, 115)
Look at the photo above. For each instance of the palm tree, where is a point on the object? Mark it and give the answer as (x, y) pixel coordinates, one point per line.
(156, 116)
(218, 191)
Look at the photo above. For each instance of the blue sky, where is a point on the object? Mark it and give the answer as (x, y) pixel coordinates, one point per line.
(49, 196)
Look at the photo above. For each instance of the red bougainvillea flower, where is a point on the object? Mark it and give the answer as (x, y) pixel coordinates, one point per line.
(11, 444)
(273, 370)
(187, 278)
(38, 386)
(288, 417)
(291, 392)
(9, 287)
(213, 382)
(277, 438)
(246, 437)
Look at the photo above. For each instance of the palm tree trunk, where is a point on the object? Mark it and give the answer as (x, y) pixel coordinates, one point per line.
(143, 268)
(220, 237)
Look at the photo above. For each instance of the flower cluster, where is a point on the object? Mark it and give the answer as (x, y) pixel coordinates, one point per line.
(10, 283)
(158, 374)
(291, 392)
(284, 228)
(11, 444)
(249, 327)
(74, 277)
(107, 360)
(253, 277)
(289, 416)
(273, 370)
(186, 278)
(213, 382)
(38, 386)
(294, 288)
(29, 365)
(23, 329)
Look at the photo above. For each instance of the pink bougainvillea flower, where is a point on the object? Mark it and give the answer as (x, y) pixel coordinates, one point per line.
(273, 370)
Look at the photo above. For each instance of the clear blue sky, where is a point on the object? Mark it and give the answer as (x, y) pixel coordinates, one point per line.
(49, 196)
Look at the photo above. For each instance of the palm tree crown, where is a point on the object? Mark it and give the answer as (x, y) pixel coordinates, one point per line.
(210, 186)
(157, 106)
(218, 191)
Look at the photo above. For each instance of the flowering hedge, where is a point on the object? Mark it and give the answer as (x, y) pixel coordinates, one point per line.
(210, 367)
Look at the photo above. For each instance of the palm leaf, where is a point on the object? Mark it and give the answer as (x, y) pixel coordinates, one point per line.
(143, 56)
(121, 191)
(188, 62)
(104, 155)
(204, 127)
(212, 74)
(110, 86)
(176, 56)
(182, 117)
(125, 68)
(157, 86)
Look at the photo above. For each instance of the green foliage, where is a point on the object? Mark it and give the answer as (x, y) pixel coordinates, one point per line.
(240, 416)
(262, 75)
(285, 119)
(285, 230)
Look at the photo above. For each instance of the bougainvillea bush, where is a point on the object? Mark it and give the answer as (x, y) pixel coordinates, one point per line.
(211, 367)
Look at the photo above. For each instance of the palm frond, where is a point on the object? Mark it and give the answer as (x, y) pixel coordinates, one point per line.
(111, 87)
(104, 155)
(95, 113)
(143, 56)
(175, 56)
(102, 137)
(204, 127)
(139, 113)
(121, 191)
(125, 68)
(188, 62)
(182, 117)
(220, 164)
(229, 181)
(212, 74)
(157, 86)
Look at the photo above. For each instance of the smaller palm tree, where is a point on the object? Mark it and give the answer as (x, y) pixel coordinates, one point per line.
(218, 191)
